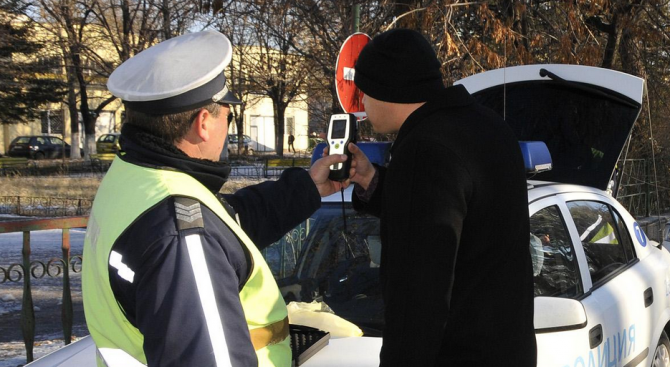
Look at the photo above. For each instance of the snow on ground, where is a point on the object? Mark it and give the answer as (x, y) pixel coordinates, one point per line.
(46, 291)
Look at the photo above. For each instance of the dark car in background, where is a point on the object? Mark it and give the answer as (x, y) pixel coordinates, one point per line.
(108, 143)
(38, 147)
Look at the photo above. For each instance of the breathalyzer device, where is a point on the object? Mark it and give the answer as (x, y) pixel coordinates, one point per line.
(341, 132)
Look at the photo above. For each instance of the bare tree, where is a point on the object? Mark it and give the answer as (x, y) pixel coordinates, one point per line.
(275, 69)
(86, 30)
(236, 22)
(327, 25)
(68, 22)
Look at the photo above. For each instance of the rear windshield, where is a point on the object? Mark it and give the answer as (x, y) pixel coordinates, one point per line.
(585, 128)
(22, 140)
(108, 138)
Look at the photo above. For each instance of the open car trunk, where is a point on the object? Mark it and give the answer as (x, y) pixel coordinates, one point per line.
(584, 114)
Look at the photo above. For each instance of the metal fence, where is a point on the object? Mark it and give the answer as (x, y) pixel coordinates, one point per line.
(44, 206)
(94, 167)
(281, 257)
(37, 269)
(643, 192)
(251, 167)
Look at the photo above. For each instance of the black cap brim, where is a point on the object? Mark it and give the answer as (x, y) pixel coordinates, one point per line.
(229, 98)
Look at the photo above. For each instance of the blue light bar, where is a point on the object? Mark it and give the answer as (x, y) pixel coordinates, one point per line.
(377, 152)
(536, 156)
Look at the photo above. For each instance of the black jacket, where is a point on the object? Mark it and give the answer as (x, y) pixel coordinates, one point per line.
(163, 301)
(456, 270)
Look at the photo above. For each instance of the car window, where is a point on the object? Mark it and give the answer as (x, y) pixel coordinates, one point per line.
(107, 138)
(324, 261)
(56, 141)
(607, 248)
(555, 266)
(325, 242)
(22, 140)
(41, 140)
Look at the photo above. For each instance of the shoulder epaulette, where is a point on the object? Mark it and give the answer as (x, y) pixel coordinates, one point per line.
(189, 213)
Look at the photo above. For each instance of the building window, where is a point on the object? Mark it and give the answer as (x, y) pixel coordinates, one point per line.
(52, 121)
(290, 126)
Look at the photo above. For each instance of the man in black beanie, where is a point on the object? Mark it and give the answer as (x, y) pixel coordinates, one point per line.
(456, 270)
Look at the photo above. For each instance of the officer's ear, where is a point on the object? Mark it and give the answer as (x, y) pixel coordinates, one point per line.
(202, 124)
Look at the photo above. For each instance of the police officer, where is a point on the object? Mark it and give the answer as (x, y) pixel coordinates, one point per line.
(173, 275)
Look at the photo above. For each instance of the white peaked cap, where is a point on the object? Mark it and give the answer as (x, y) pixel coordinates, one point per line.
(176, 75)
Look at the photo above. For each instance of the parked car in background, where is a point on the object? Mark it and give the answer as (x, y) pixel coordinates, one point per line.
(39, 147)
(108, 143)
(249, 146)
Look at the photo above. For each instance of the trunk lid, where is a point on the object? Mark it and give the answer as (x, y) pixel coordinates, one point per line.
(584, 114)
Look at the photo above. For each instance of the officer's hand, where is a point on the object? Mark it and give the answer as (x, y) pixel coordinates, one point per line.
(319, 173)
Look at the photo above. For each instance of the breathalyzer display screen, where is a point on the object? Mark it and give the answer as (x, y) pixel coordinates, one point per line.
(339, 129)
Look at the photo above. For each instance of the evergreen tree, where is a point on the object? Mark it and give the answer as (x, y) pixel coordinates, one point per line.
(28, 82)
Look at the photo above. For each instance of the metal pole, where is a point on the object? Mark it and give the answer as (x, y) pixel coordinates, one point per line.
(27, 309)
(66, 309)
(647, 187)
(356, 18)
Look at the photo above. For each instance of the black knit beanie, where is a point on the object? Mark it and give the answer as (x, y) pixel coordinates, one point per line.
(399, 66)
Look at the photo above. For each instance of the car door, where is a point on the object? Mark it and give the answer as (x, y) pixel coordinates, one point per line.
(617, 283)
(58, 146)
(558, 272)
(44, 149)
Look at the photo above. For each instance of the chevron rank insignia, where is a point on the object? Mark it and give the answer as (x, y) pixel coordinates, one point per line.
(189, 214)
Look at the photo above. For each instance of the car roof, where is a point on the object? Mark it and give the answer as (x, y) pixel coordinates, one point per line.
(536, 191)
(37, 136)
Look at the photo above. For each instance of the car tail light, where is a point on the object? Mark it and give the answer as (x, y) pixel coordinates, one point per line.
(33, 147)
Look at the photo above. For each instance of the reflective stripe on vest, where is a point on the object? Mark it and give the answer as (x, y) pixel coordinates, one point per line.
(206, 291)
(117, 357)
(112, 213)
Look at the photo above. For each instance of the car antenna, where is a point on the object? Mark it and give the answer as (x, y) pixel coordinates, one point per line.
(653, 161)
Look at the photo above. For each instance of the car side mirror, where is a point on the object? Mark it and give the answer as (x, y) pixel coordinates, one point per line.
(558, 314)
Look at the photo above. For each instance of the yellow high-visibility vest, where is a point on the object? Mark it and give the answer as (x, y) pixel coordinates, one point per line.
(126, 192)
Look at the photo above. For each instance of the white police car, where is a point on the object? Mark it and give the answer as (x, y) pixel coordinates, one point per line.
(602, 287)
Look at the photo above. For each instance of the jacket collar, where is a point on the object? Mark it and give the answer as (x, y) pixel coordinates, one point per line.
(144, 149)
(456, 96)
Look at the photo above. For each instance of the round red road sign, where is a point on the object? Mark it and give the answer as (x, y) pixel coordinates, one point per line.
(350, 97)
